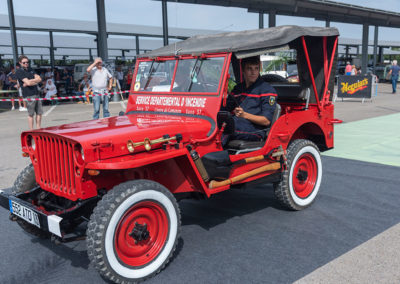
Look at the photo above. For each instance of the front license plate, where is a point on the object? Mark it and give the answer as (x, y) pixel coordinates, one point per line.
(25, 213)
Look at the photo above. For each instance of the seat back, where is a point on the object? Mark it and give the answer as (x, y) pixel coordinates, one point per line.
(276, 115)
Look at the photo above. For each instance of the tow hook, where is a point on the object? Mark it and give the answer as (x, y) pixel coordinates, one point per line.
(12, 217)
(56, 240)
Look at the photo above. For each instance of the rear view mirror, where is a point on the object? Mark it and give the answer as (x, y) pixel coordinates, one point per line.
(225, 116)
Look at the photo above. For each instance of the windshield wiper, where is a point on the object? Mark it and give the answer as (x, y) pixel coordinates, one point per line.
(148, 78)
(192, 72)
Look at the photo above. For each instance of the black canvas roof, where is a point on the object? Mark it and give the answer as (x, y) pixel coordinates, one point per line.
(244, 43)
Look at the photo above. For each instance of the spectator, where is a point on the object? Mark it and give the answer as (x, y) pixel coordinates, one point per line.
(28, 81)
(50, 89)
(348, 68)
(6, 85)
(43, 76)
(14, 86)
(394, 71)
(100, 78)
(2, 79)
(85, 87)
(120, 77)
(49, 74)
(56, 75)
(66, 76)
(353, 70)
(128, 79)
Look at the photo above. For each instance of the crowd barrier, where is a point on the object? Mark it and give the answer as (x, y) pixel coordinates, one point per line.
(62, 98)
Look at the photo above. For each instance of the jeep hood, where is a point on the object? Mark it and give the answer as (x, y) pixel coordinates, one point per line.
(113, 133)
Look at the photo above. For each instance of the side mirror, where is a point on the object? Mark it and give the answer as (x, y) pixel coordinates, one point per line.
(225, 116)
(121, 113)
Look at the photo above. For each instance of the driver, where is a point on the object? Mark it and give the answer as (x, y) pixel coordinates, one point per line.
(253, 103)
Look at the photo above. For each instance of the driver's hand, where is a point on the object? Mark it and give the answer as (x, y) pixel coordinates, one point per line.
(239, 112)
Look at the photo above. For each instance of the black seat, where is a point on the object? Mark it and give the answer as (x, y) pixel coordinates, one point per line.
(243, 146)
(292, 93)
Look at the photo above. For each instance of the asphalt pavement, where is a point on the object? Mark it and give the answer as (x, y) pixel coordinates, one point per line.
(349, 235)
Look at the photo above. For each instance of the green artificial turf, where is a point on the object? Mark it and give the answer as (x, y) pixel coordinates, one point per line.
(374, 140)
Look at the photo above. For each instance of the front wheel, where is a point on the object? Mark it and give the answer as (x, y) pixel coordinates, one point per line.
(301, 180)
(24, 182)
(133, 231)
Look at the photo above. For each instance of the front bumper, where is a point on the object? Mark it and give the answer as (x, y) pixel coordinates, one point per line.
(48, 222)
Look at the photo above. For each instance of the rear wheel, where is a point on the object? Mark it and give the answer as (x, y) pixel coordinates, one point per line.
(24, 182)
(133, 231)
(301, 180)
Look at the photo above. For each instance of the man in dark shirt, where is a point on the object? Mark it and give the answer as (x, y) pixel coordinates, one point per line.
(28, 81)
(253, 103)
(394, 71)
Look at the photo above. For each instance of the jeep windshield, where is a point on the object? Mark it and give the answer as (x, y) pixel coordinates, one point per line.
(191, 75)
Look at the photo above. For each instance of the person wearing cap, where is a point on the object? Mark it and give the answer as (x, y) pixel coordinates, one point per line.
(100, 83)
(348, 68)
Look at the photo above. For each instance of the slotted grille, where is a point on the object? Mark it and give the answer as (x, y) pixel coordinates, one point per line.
(56, 165)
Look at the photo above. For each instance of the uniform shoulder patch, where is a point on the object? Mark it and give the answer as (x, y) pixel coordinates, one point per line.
(272, 100)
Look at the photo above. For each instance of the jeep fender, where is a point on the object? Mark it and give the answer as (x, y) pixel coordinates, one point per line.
(174, 169)
(302, 125)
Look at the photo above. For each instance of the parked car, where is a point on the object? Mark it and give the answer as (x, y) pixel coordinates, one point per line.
(386, 75)
(293, 75)
(79, 71)
(272, 64)
(122, 176)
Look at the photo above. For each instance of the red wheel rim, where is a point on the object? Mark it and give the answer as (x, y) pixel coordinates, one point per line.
(133, 252)
(305, 175)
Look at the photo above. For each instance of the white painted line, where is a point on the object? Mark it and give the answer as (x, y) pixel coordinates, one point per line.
(50, 110)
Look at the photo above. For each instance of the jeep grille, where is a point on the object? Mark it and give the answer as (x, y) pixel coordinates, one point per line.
(55, 167)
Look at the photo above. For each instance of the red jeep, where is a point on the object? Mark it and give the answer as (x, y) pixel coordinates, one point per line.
(123, 175)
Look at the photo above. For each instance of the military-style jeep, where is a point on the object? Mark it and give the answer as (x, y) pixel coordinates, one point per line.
(123, 175)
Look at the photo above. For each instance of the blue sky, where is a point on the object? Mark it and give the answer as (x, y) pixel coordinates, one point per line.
(148, 12)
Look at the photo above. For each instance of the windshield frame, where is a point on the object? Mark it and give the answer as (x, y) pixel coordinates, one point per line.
(177, 59)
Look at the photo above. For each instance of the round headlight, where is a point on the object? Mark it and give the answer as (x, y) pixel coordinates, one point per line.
(30, 141)
(79, 154)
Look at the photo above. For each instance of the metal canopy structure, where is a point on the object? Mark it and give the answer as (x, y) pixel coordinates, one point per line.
(323, 10)
(74, 46)
(100, 29)
(40, 24)
(37, 45)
